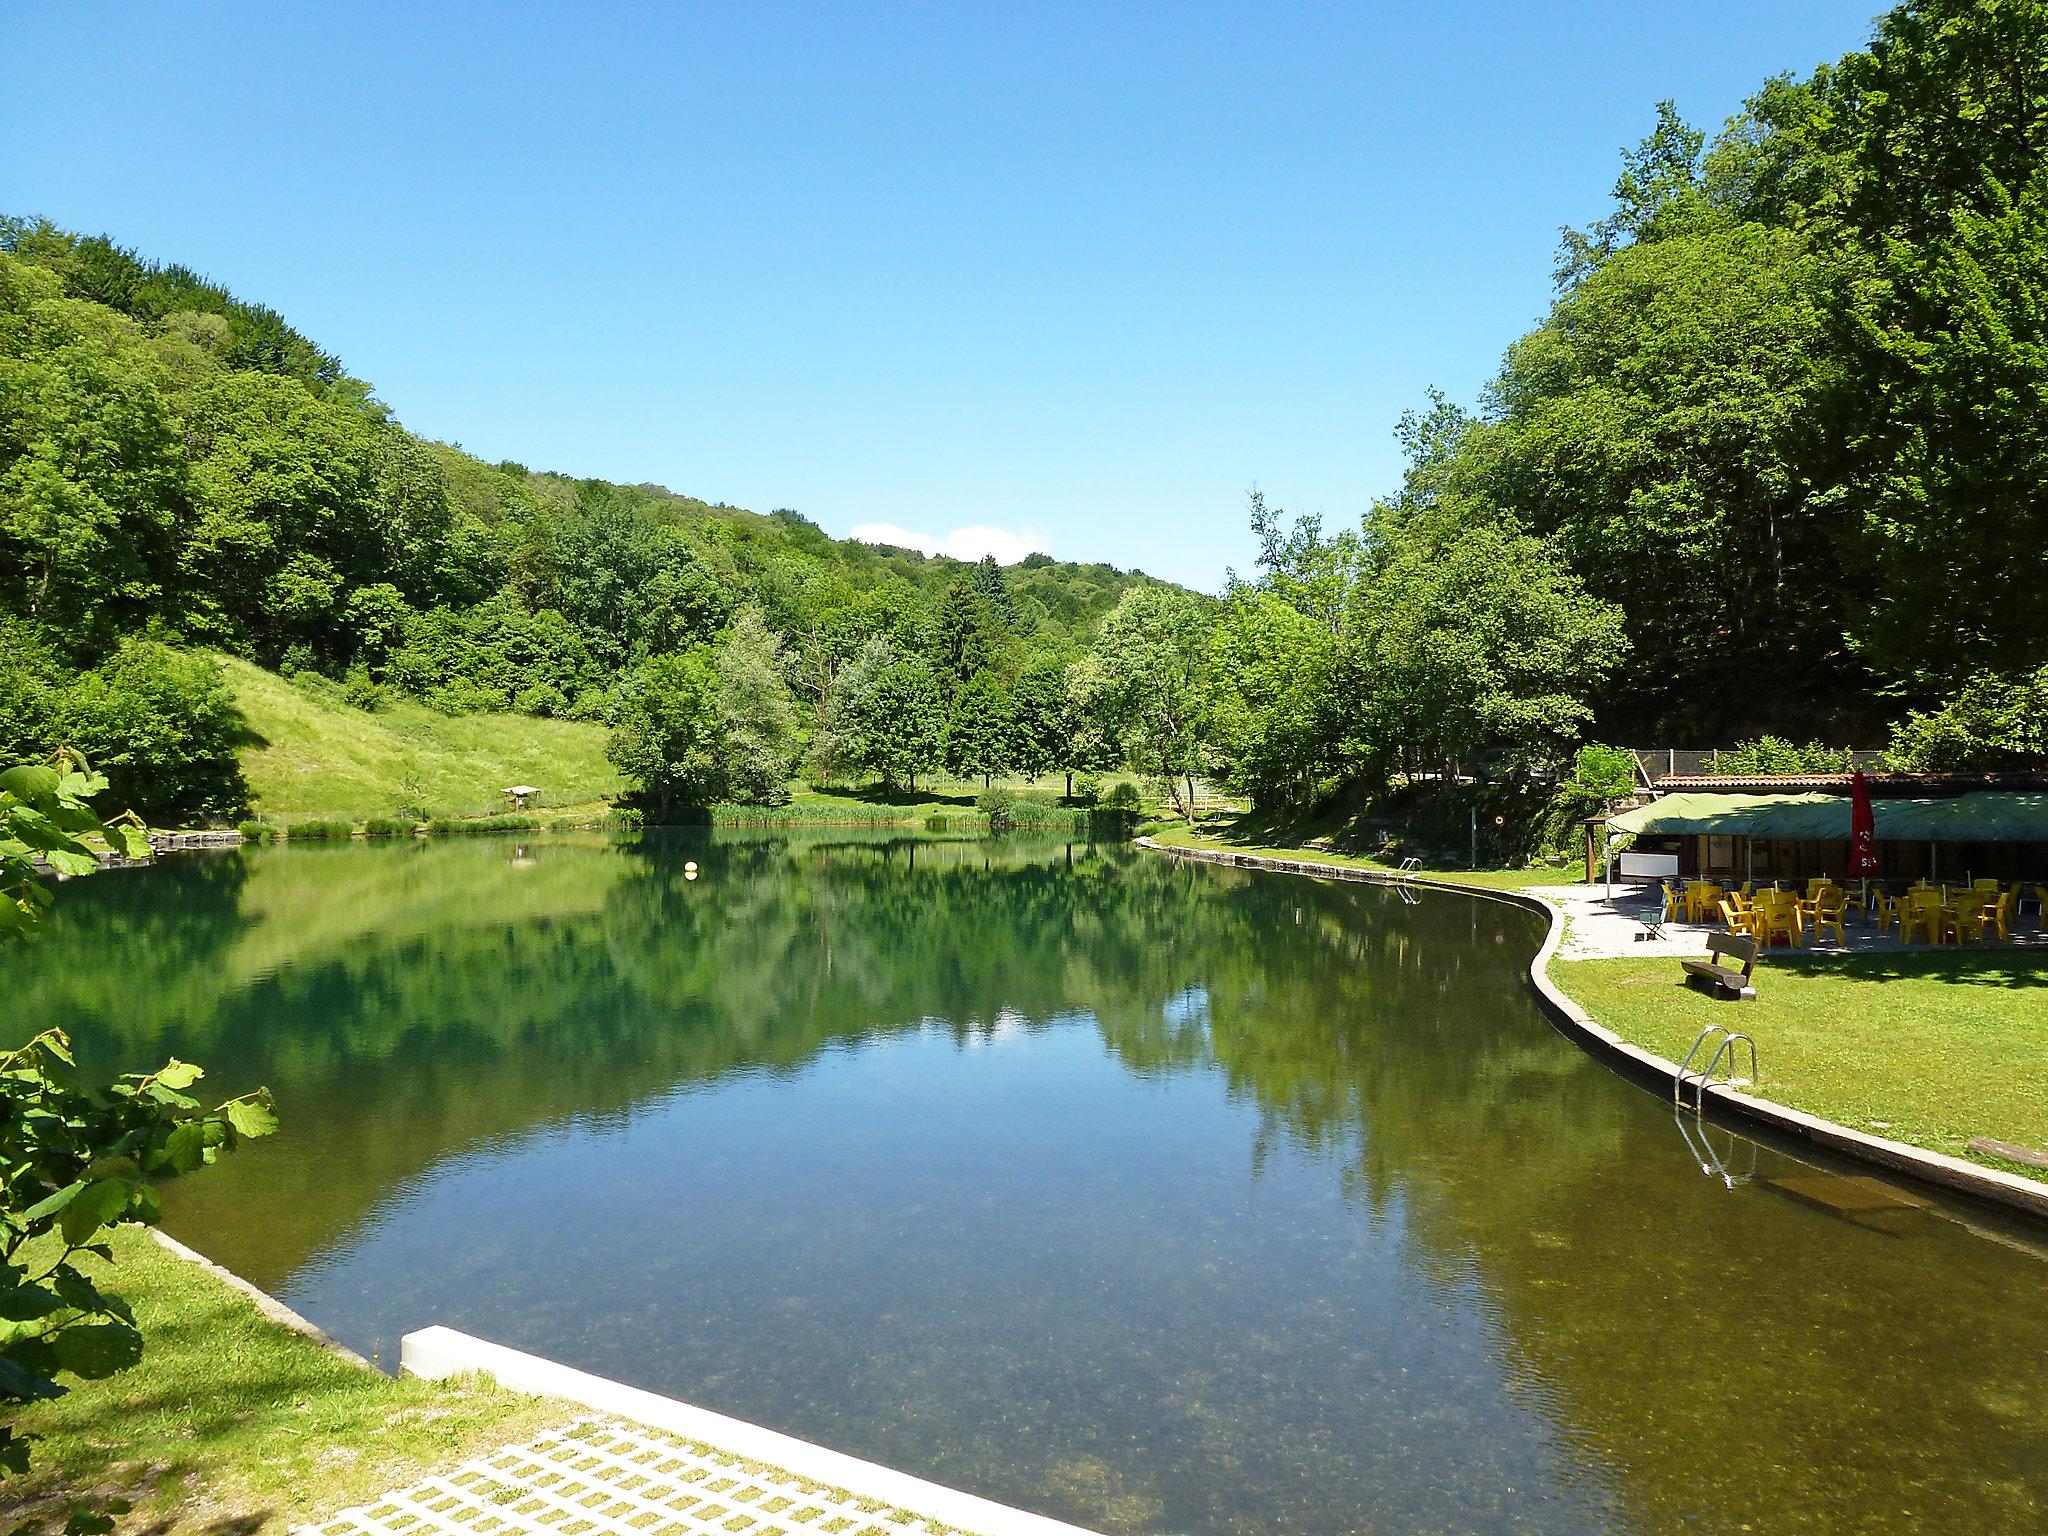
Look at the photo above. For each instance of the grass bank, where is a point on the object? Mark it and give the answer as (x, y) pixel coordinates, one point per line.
(310, 755)
(235, 1423)
(1237, 832)
(1929, 1049)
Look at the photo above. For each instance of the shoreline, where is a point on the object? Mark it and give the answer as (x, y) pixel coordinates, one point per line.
(1647, 1069)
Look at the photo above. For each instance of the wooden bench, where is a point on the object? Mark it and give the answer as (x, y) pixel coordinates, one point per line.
(1723, 979)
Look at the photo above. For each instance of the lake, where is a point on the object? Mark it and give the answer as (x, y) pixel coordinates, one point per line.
(1157, 1197)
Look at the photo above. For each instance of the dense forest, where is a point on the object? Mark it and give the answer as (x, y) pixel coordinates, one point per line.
(182, 472)
(1776, 460)
(1773, 463)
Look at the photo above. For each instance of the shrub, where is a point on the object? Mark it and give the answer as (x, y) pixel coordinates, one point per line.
(1993, 724)
(162, 725)
(1772, 754)
(1122, 796)
(1087, 788)
(1000, 807)
(316, 830)
(388, 826)
(444, 826)
(259, 831)
(360, 691)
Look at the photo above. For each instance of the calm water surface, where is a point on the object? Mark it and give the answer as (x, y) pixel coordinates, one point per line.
(1159, 1198)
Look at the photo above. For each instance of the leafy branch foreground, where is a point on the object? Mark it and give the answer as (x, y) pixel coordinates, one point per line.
(75, 1164)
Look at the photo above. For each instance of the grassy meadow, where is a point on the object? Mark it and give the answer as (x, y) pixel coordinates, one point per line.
(1930, 1049)
(309, 755)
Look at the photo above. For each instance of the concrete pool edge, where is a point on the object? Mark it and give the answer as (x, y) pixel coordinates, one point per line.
(268, 1305)
(1993, 1185)
(437, 1353)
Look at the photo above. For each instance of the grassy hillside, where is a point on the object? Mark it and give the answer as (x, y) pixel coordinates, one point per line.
(310, 754)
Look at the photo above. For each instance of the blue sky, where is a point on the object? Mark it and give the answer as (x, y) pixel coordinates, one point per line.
(1081, 275)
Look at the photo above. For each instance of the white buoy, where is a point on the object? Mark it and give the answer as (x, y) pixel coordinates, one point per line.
(689, 866)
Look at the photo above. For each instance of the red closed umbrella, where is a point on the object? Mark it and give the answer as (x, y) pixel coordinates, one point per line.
(1862, 830)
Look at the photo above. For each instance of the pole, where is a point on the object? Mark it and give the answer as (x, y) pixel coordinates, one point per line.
(1475, 839)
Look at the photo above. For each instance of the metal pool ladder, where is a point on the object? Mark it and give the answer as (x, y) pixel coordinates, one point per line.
(1409, 868)
(1726, 1046)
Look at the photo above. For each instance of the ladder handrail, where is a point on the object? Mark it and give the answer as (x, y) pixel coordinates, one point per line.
(1705, 1080)
(1685, 1066)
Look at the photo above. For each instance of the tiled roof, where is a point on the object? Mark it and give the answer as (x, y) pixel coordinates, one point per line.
(1879, 783)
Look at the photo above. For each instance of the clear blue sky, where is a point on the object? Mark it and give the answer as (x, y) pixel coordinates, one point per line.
(1082, 272)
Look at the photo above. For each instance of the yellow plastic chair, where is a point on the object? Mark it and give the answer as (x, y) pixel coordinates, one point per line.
(1828, 914)
(1674, 902)
(1738, 920)
(1781, 917)
(1963, 922)
(2002, 913)
(1921, 917)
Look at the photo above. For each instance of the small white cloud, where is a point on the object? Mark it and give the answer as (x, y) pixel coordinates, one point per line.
(962, 543)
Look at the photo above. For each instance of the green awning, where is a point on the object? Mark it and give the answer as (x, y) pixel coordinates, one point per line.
(1809, 814)
(1981, 816)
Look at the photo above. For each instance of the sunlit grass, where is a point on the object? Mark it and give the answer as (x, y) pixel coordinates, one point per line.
(1236, 832)
(1930, 1049)
(312, 756)
(233, 1422)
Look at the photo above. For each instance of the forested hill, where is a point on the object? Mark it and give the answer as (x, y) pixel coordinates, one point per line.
(1776, 460)
(181, 470)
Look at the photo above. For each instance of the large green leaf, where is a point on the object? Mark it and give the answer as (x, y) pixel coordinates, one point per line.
(178, 1074)
(25, 1303)
(50, 1205)
(250, 1117)
(31, 781)
(97, 1204)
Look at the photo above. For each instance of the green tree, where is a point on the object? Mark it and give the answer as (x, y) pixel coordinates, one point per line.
(282, 521)
(891, 718)
(668, 730)
(980, 730)
(1147, 679)
(1991, 724)
(1272, 709)
(1041, 723)
(1482, 649)
(759, 717)
(92, 472)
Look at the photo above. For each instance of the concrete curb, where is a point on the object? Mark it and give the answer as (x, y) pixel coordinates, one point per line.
(436, 1353)
(265, 1303)
(1650, 1070)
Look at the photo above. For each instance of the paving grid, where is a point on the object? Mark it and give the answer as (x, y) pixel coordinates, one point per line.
(603, 1476)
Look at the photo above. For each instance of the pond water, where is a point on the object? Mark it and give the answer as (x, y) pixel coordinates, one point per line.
(1157, 1197)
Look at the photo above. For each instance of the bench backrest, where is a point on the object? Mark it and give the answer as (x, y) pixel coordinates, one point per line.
(1736, 946)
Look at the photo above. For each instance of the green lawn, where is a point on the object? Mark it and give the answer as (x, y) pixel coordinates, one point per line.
(1930, 1049)
(234, 1423)
(310, 755)
(1233, 832)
